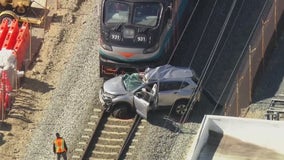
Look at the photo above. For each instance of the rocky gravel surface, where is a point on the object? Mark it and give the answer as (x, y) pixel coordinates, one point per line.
(76, 90)
(66, 72)
(66, 91)
(76, 93)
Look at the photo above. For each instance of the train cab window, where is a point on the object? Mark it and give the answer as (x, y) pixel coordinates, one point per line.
(116, 12)
(146, 14)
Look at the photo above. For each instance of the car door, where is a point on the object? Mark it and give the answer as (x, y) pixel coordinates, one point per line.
(170, 91)
(166, 93)
(145, 101)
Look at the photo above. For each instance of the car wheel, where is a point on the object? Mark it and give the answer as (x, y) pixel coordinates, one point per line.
(180, 107)
(121, 111)
(21, 10)
(8, 17)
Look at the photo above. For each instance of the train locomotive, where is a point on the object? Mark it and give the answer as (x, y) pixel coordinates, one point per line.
(136, 34)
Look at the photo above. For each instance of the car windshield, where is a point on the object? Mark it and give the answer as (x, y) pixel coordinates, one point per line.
(146, 14)
(116, 12)
(131, 81)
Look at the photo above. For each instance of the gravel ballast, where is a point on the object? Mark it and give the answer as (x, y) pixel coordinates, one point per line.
(76, 93)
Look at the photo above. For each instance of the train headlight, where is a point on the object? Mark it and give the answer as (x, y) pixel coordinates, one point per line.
(152, 49)
(105, 46)
(128, 33)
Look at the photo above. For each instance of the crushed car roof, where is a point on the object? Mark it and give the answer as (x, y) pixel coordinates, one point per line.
(167, 72)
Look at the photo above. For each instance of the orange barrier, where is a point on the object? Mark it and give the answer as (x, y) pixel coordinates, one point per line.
(22, 44)
(14, 38)
(17, 39)
(5, 89)
(3, 31)
(10, 39)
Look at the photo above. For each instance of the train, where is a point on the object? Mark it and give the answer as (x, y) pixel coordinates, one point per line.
(136, 34)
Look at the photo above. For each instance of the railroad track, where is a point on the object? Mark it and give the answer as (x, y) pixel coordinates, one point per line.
(108, 138)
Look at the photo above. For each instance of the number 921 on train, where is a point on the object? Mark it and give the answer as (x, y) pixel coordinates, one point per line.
(136, 34)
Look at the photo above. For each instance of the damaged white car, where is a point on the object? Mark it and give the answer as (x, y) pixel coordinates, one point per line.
(156, 88)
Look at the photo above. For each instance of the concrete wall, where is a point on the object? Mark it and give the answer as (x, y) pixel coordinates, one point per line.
(259, 47)
(264, 133)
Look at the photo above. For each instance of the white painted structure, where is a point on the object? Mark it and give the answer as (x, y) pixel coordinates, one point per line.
(264, 133)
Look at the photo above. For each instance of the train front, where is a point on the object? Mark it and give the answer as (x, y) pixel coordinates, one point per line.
(132, 33)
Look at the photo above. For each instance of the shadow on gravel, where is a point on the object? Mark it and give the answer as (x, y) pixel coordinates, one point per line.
(161, 119)
(165, 119)
(19, 112)
(24, 108)
(20, 117)
(1, 139)
(5, 126)
(36, 85)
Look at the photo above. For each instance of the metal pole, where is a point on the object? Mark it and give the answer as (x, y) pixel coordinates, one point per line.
(237, 96)
(2, 99)
(2, 108)
(275, 16)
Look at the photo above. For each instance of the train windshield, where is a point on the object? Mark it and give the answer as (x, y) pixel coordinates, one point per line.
(146, 14)
(116, 12)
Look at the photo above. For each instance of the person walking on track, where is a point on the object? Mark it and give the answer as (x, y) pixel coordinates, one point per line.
(60, 147)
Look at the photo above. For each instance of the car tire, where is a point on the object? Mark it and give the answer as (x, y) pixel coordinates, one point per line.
(9, 17)
(21, 10)
(181, 107)
(121, 111)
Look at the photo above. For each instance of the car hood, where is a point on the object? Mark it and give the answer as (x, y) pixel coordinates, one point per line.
(114, 86)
